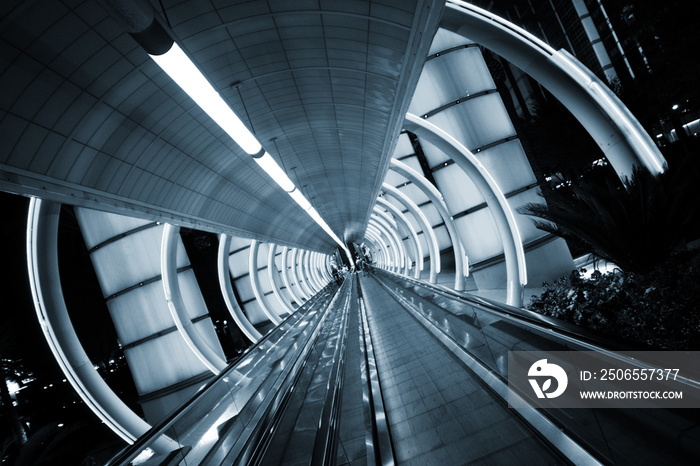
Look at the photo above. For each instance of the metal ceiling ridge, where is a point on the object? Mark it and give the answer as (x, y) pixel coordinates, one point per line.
(228, 24)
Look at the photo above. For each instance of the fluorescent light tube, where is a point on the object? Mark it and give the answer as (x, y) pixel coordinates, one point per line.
(300, 199)
(268, 164)
(181, 69)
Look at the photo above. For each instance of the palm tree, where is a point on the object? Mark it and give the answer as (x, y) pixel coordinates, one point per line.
(636, 224)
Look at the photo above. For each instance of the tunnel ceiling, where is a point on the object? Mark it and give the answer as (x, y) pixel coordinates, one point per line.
(89, 119)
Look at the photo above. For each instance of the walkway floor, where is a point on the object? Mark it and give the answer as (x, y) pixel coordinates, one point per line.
(438, 412)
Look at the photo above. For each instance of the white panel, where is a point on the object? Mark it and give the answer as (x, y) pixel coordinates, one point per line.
(162, 362)
(97, 226)
(508, 165)
(432, 214)
(254, 313)
(238, 263)
(414, 193)
(445, 39)
(237, 243)
(528, 231)
(434, 155)
(140, 313)
(191, 294)
(457, 188)
(131, 260)
(394, 179)
(414, 164)
(443, 237)
(476, 122)
(449, 78)
(480, 235)
(244, 288)
(403, 146)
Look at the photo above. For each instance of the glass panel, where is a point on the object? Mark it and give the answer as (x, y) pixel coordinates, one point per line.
(445, 39)
(508, 165)
(129, 319)
(479, 235)
(434, 155)
(476, 122)
(162, 362)
(403, 146)
(457, 189)
(98, 227)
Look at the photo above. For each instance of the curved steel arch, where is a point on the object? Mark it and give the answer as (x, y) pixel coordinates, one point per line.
(392, 227)
(425, 225)
(393, 237)
(516, 268)
(234, 309)
(416, 242)
(439, 203)
(274, 277)
(395, 263)
(50, 306)
(255, 283)
(171, 287)
(621, 137)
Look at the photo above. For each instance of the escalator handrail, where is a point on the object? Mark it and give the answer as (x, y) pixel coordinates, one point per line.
(133, 450)
(562, 330)
(516, 313)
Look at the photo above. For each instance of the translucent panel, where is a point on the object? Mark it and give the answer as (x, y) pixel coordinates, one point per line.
(457, 189)
(449, 78)
(508, 165)
(432, 214)
(98, 227)
(244, 288)
(414, 193)
(255, 313)
(238, 263)
(162, 362)
(476, 122)
(140, 313)
(264, 279)
(528, 232)
(393, 178)
(443, 237)
(479, 235)
(548, 262)
(131, 260)
(434, 155)
(237, 243)
(191, 294)
(445, 39)
(414, 164)
(403, 146)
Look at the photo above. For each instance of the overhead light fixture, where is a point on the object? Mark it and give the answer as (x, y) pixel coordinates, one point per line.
(176, 64)
(300, 199)
(181, 69)
(268, 164)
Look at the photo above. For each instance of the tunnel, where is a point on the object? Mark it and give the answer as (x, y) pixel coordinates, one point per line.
(347, 179)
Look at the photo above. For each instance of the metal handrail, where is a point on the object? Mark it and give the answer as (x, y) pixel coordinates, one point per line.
(133, 450)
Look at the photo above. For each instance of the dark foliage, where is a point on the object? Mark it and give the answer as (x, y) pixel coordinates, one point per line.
(636, 225)
(658, 309)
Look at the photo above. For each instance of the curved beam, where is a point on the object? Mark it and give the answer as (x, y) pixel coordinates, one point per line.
(226, 286)
(51, 311)
(399, 258)
(516, 267)
(316, 269)
(274, 277)
(439, 203)
(313, 284)
(285, 276)
(391, 224)
(416, 242)
(388, 243)
(622, 139)
(295, 276)
(381, 253)
(305, 283)
(171, 287)
(255, 283)
(425, 226)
